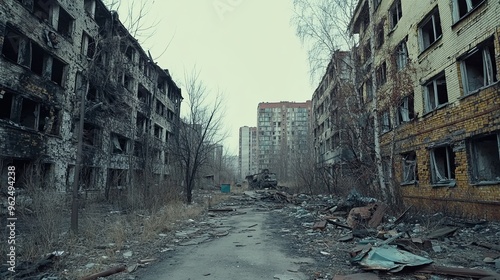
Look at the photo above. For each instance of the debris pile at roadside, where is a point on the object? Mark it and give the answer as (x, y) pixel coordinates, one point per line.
(357, 234)
(355, 237)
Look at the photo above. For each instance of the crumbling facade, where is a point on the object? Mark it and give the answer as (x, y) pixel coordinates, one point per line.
(328, 102)
(433, 69)
(56, 55)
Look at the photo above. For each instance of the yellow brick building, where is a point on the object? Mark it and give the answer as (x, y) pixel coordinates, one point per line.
(435, 65)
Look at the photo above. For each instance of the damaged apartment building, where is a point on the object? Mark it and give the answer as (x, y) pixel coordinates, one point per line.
(428, 72)
(58, 54)
(432, 67)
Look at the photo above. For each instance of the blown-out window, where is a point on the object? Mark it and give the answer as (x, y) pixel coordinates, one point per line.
(409, 168)
(435, 93)
(429, 30)
(485, 158)
(442, 161)
(478, 67)
(462, 8)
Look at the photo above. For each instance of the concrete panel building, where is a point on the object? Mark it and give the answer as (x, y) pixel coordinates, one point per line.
(283, 132)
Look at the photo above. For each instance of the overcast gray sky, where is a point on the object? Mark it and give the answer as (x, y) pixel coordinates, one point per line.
(247, 48)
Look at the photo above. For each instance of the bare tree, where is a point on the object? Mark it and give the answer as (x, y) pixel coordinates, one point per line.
(322, 25)
(199, 131)
(137, 17)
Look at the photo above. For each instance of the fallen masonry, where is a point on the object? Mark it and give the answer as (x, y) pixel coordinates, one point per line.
(387, 245)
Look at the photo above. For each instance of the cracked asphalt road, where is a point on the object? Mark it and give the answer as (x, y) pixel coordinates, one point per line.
(249, 251)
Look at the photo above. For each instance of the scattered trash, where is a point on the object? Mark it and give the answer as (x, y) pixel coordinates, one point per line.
(391, 259)
(441, 232)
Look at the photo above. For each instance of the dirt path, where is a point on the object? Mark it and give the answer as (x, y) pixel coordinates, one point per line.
(248, 251)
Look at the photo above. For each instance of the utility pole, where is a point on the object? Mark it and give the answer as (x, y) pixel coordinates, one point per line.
(76, 181)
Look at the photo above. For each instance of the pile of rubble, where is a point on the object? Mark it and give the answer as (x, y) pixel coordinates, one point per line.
(376, 245)
(351, 238)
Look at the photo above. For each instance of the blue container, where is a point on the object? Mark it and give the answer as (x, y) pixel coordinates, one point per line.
(225, 188)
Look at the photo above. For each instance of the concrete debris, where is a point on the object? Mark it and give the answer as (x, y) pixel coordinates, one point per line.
(321, 225)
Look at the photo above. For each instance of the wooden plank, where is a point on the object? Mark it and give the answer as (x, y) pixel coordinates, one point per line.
(378, 215)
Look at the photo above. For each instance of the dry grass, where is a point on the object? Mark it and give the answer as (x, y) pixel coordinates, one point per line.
(164, 220)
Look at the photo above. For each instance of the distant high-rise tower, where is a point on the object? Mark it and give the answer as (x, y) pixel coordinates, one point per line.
(283, 133)
(247, 151)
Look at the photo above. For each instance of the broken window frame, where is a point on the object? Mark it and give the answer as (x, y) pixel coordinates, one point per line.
(489, 70)
(45, 118)
(29, 117)
(142, 124)
(119, 144)
(91, 135)
(406, 110)
(7, 102)
(470, 6)
(88, 46)
(385, 121)
(160, 108)
(432, 100)
(158, 131)
(41, 9)
(381, 74)
(395, 13)
(128, 82)
(64, 23)
(401, 54)
(429, 30)
(48, 122)
(476, 149)
(369, 90)
(447, 165)
(380, 32)
(35, 58)
(143, 95)
(409, 173)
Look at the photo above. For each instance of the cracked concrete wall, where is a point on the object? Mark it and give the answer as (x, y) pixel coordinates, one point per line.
(40, 97)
